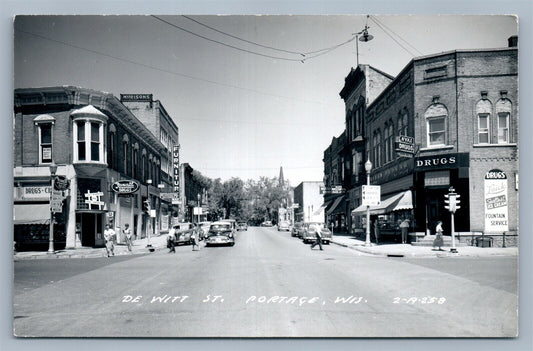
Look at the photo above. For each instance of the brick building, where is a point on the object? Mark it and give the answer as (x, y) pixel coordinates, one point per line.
(95, 141)
(153, 115)
(459, 111)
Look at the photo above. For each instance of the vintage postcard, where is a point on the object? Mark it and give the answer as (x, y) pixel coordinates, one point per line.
(307, 176)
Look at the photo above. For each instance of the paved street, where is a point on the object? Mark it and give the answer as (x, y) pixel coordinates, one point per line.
(268, 284)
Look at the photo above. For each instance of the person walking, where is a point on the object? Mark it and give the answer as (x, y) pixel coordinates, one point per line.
(127, 234)
(438, 239)
(318, 237)
(109, 238)
(376, 230)
(404, 227)
(171, 240)
(194, 239)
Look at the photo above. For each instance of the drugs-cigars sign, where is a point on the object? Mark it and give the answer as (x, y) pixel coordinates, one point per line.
(496, 202)
(125, 187)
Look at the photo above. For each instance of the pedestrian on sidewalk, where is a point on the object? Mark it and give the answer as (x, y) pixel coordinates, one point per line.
(109, 238)
(318, 237)
(127, 234)
(194, 240)
(404, 227)
(171, 240)
(438, 240)
(376, 230)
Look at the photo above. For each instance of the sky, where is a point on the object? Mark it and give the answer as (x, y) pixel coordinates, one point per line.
(243, 100)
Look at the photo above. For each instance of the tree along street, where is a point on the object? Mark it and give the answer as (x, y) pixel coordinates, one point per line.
(268, 285)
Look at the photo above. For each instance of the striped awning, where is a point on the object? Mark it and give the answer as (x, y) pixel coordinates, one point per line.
(31, 214)
(401, 201)
(336, 208)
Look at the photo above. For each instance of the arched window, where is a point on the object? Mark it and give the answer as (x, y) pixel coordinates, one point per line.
(143, 166)
(503, 114)
(436, 117)
(483, 111)
(390, 141)
(379, 160)
(386, 143)
(135, 161)
(403, 123)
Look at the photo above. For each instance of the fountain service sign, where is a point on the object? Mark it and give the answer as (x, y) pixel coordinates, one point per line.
(496, 210)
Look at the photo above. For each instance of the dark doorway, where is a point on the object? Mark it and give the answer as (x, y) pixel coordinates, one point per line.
(91, 229)
(435, 210)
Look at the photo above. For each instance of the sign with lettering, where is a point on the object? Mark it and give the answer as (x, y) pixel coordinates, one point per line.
(61, 183)
(176, 166)
(496, 202)
(404, 146)
(125, 187)
(94, 199)
(136, 97)
(35, 192)
(371, 195)
(56, 201)
(447, 161)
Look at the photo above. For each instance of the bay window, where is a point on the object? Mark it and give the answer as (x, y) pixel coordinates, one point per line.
(88, 135)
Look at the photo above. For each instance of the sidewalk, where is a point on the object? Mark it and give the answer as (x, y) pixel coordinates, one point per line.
(407, 250)
(139, 248)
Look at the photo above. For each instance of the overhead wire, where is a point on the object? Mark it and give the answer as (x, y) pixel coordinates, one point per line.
(319, 52)
(395, 40)
(165, 70)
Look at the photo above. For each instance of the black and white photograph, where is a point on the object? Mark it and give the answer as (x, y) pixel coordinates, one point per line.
(266, 176)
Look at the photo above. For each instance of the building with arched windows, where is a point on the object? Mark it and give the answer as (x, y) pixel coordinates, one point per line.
(95, 141)
(446, 121)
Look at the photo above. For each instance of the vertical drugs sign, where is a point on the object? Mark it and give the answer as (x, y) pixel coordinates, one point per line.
(496, 202)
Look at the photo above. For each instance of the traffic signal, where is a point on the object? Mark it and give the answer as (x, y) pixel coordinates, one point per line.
(451, 201)
(457, 201)
(146, 206)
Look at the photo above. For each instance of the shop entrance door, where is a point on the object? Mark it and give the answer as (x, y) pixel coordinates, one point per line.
(435, 210)
(91, 229)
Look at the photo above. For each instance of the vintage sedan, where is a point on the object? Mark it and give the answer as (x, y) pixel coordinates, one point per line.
(297, 229)
(266, 224)
(220, 233)
(182, 233)
(285, 226)
(242, 226)
(309, 235)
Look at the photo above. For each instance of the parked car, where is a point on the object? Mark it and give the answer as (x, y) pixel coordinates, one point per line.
(284, 225)
(242, 226)
(308, 235)
(183, 232)
(220, 233)
(266, 224)
(204, 229)
(297, 229)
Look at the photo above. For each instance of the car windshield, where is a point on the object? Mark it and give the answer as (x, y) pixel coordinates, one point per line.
(220, 227)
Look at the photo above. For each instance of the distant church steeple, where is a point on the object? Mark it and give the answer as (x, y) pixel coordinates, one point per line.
(281, 180)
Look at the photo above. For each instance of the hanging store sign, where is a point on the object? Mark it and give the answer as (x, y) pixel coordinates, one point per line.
(404, 146)
(56, 201)
(496, 202)
(61, 183)
(125, 187)
(176, 166)
(94, 199)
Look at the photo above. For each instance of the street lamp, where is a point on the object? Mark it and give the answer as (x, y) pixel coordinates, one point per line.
(199, 205)
(53, 170)
(365, 38)
(368, 168)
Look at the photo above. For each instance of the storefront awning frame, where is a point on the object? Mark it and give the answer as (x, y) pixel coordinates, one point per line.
(335, 206)
(31, 214)
(397, 202)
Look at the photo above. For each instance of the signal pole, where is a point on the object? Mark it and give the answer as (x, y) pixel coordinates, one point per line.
(452, 204)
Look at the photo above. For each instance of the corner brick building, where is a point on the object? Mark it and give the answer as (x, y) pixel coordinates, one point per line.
(459, 112)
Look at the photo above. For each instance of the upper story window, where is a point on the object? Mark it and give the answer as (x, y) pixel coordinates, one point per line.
(125, 142)
(44, 124)
(88, 135)
(403, 123)
(436, 118)
(503, 113)
(483, 111)
(135, 161)
(112, 146)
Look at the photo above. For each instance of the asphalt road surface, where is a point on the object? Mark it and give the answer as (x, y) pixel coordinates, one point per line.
(268, 285)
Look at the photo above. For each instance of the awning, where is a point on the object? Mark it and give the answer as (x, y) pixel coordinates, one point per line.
(31, 214)
(401, 201)
(335, 208)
